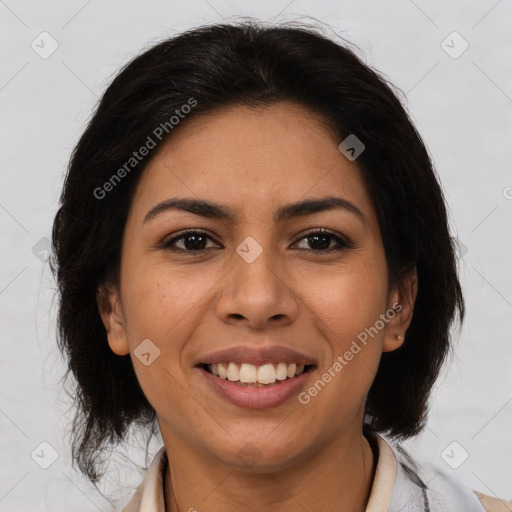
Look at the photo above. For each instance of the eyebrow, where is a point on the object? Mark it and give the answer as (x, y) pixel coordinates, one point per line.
(212, 210)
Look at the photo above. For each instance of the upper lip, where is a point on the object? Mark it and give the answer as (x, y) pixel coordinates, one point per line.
(257, 356)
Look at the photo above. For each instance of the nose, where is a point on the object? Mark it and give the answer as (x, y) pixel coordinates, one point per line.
(258, 294)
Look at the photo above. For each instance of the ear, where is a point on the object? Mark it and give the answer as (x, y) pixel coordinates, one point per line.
(109, 306)
(402, 302)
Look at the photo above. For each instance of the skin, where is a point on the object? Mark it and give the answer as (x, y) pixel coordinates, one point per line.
(254, 160)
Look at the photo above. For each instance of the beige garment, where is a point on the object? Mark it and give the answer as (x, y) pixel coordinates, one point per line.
(494, 504)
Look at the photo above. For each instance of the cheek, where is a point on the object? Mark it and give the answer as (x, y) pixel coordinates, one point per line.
(349, 303)
(163, 307)
(349, 299)
(160, 303)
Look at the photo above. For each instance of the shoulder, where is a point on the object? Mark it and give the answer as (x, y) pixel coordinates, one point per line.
(425, 487)
(492, 504)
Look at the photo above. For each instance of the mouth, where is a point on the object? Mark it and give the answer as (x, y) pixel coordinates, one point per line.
(254, 376)
(256, 387)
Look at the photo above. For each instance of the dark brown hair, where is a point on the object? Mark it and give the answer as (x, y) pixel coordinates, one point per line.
(251, 64)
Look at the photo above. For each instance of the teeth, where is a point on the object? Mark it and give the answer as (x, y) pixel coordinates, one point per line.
(267, 374)
(281, 371)
(251, 374)
(292, 368)
(248, 373)
(223, 372)
(233, 372)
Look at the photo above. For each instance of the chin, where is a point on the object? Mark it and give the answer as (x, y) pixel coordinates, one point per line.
(259, 454)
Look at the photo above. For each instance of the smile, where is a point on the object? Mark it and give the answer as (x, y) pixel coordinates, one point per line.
(247, 374)
(271, 392)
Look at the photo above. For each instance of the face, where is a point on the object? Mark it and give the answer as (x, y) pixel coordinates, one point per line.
(254, 288)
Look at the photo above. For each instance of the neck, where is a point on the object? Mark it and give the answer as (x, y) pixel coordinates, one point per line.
(337, 477)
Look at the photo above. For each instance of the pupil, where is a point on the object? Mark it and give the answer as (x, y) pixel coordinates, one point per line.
(324, 237)
(196, 245)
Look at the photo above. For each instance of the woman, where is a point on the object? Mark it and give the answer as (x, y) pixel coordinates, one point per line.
(252, 253)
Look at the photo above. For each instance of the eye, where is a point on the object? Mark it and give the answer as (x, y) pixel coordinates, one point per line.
(321, 240)
(193, 241)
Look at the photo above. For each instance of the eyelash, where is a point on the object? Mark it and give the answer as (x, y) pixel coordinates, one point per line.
(343, 243)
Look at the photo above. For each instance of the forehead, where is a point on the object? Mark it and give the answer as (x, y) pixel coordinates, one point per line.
(254, 160)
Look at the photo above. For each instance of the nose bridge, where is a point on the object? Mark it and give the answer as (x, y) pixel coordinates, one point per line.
(258, 264)
(257, 287)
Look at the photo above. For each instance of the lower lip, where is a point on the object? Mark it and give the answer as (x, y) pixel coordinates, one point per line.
(257, 397)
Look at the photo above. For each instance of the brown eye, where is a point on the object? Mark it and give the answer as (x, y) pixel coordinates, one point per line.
(193, 241)
(321, 240)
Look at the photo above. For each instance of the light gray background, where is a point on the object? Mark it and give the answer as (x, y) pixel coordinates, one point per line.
(461, 106)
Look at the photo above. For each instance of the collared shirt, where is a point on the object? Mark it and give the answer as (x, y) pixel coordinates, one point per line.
(401, 484)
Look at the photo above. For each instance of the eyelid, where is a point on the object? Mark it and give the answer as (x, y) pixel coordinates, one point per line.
(343, 241)
(325, 231)
(166, 243)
